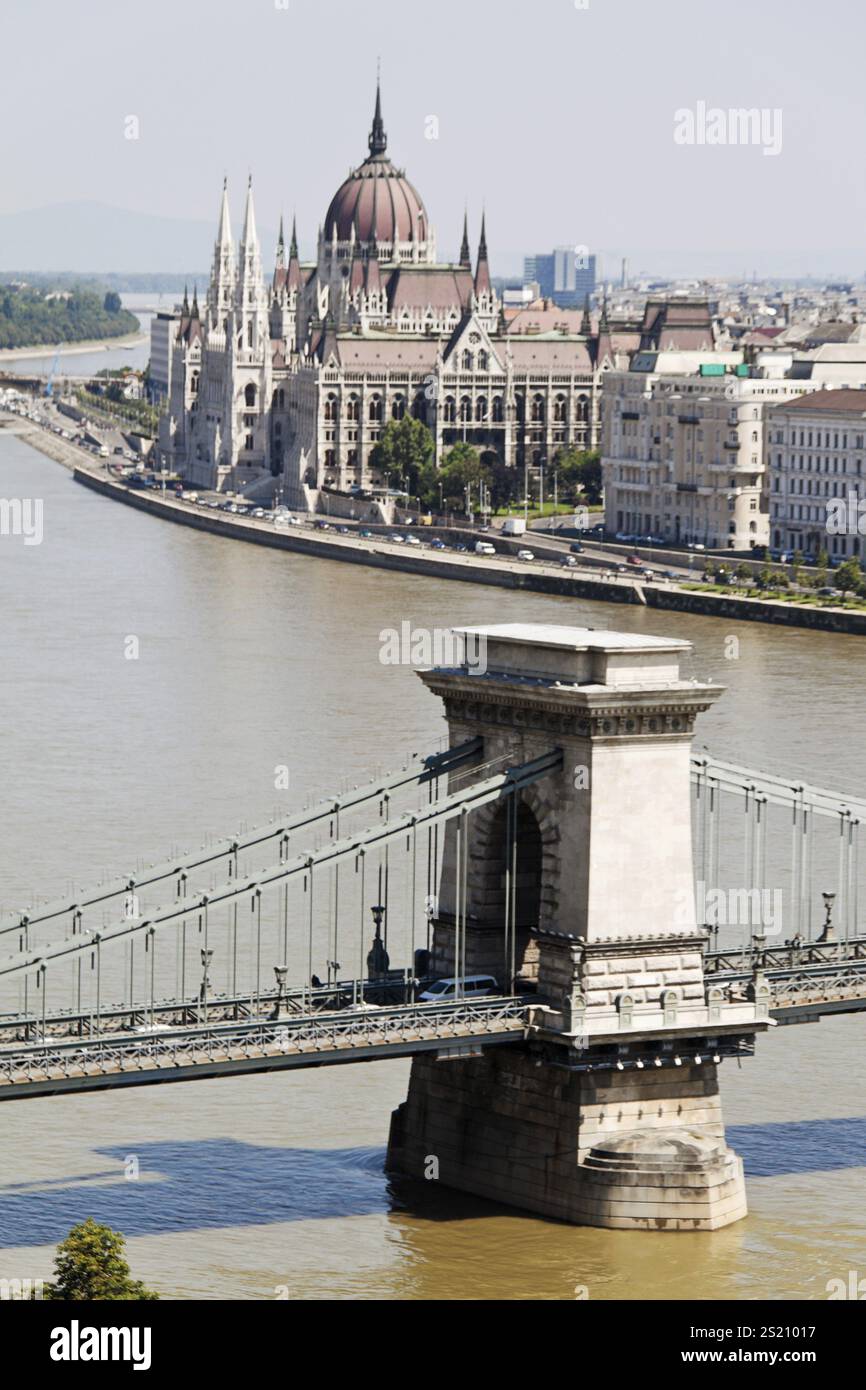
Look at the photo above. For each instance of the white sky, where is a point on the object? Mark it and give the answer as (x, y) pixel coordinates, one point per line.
(560, 119)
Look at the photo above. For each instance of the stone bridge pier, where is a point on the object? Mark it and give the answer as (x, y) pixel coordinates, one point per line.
(579, 890)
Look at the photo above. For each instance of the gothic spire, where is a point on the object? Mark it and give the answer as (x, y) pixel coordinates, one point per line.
(465, 253)
(250, 237)
(482, 272)
(224, 234)
(586, 321)
(281, 247)
(378, 141)
(184, 308)
(293, 248)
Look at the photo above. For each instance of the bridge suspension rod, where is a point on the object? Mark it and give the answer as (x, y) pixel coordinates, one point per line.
(431, 768)
(470, 798)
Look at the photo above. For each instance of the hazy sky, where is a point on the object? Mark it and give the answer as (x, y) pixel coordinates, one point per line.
(560, 119)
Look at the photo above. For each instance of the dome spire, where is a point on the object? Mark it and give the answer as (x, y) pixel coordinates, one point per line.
(378, 141)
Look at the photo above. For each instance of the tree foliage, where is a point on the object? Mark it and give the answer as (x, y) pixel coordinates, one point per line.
(30, 316)
(405, 451)
(90, 1265)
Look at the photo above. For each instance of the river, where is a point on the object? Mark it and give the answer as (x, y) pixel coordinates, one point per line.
(272, 1185)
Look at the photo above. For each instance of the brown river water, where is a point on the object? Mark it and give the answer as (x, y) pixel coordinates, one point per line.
(272, 1186)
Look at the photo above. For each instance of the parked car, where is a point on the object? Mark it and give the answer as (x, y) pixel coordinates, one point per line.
(484, 548)
(395, 537)
(525, 555)
(474, 987)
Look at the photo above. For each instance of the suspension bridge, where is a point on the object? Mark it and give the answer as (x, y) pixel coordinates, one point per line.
(603, 901)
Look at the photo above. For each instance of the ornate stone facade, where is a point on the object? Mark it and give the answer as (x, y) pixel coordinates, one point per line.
(287, 388)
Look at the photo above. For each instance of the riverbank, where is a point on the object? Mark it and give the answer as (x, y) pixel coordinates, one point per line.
(499, 571)
(38, 350)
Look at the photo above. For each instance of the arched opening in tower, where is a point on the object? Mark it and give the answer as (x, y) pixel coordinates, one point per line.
(521, 854)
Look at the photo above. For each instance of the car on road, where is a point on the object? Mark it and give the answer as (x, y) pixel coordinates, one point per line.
(576, 548)
(828, 592)
(484, 548)
(460, 546)
(343, 530)
(436, 544)
(473, 987)
(412, 540)
(525, 555)
(634, 560)
(367, 535)
(568, 562)
(395, 537)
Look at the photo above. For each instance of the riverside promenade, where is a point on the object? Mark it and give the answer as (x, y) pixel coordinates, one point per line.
(500, 571)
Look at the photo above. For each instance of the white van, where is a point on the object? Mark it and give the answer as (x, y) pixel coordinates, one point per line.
(474, 987)
(484, 548)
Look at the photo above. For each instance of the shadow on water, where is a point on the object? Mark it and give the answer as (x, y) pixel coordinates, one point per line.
(223, 1182)
(800, 1146)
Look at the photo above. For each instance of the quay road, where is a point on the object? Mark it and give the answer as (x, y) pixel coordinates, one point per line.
(591, 579)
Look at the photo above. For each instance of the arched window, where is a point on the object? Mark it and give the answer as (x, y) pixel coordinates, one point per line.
(329, 458)
(193, 385)
(353, 408)
(249, 394)
(398, 409)
(467, 361)
(331, 409)
(465, 408)
(559, 410)
(583, 410)
(375, 411)
(483, 361)
(497, 410)
(352, 458)
(419, 406)
(538, 410)
(481, 408)
(448, 410)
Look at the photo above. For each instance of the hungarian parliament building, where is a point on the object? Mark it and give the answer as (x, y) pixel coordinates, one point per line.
(285, 388)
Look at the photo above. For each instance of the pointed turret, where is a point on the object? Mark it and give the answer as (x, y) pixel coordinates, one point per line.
(250, 236)
(184, 308)
(195, 309)
(465, 253)
(378, 141)
(224, 234)
(586, 321)
(222, 276)
(280, 259)
(293, 274)
(482, 272)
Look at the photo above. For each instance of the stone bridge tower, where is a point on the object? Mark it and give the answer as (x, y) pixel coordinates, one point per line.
(582, 891)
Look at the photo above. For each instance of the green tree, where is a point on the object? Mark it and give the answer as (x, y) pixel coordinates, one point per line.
(462, 468)
(579, 473)
(111, 303)
(848, 576)
(405, 451)
(90, 1265)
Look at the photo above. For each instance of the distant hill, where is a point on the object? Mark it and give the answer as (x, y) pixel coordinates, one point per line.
(94, 238)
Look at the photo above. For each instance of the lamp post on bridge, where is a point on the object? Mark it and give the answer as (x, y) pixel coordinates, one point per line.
(377, 957)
